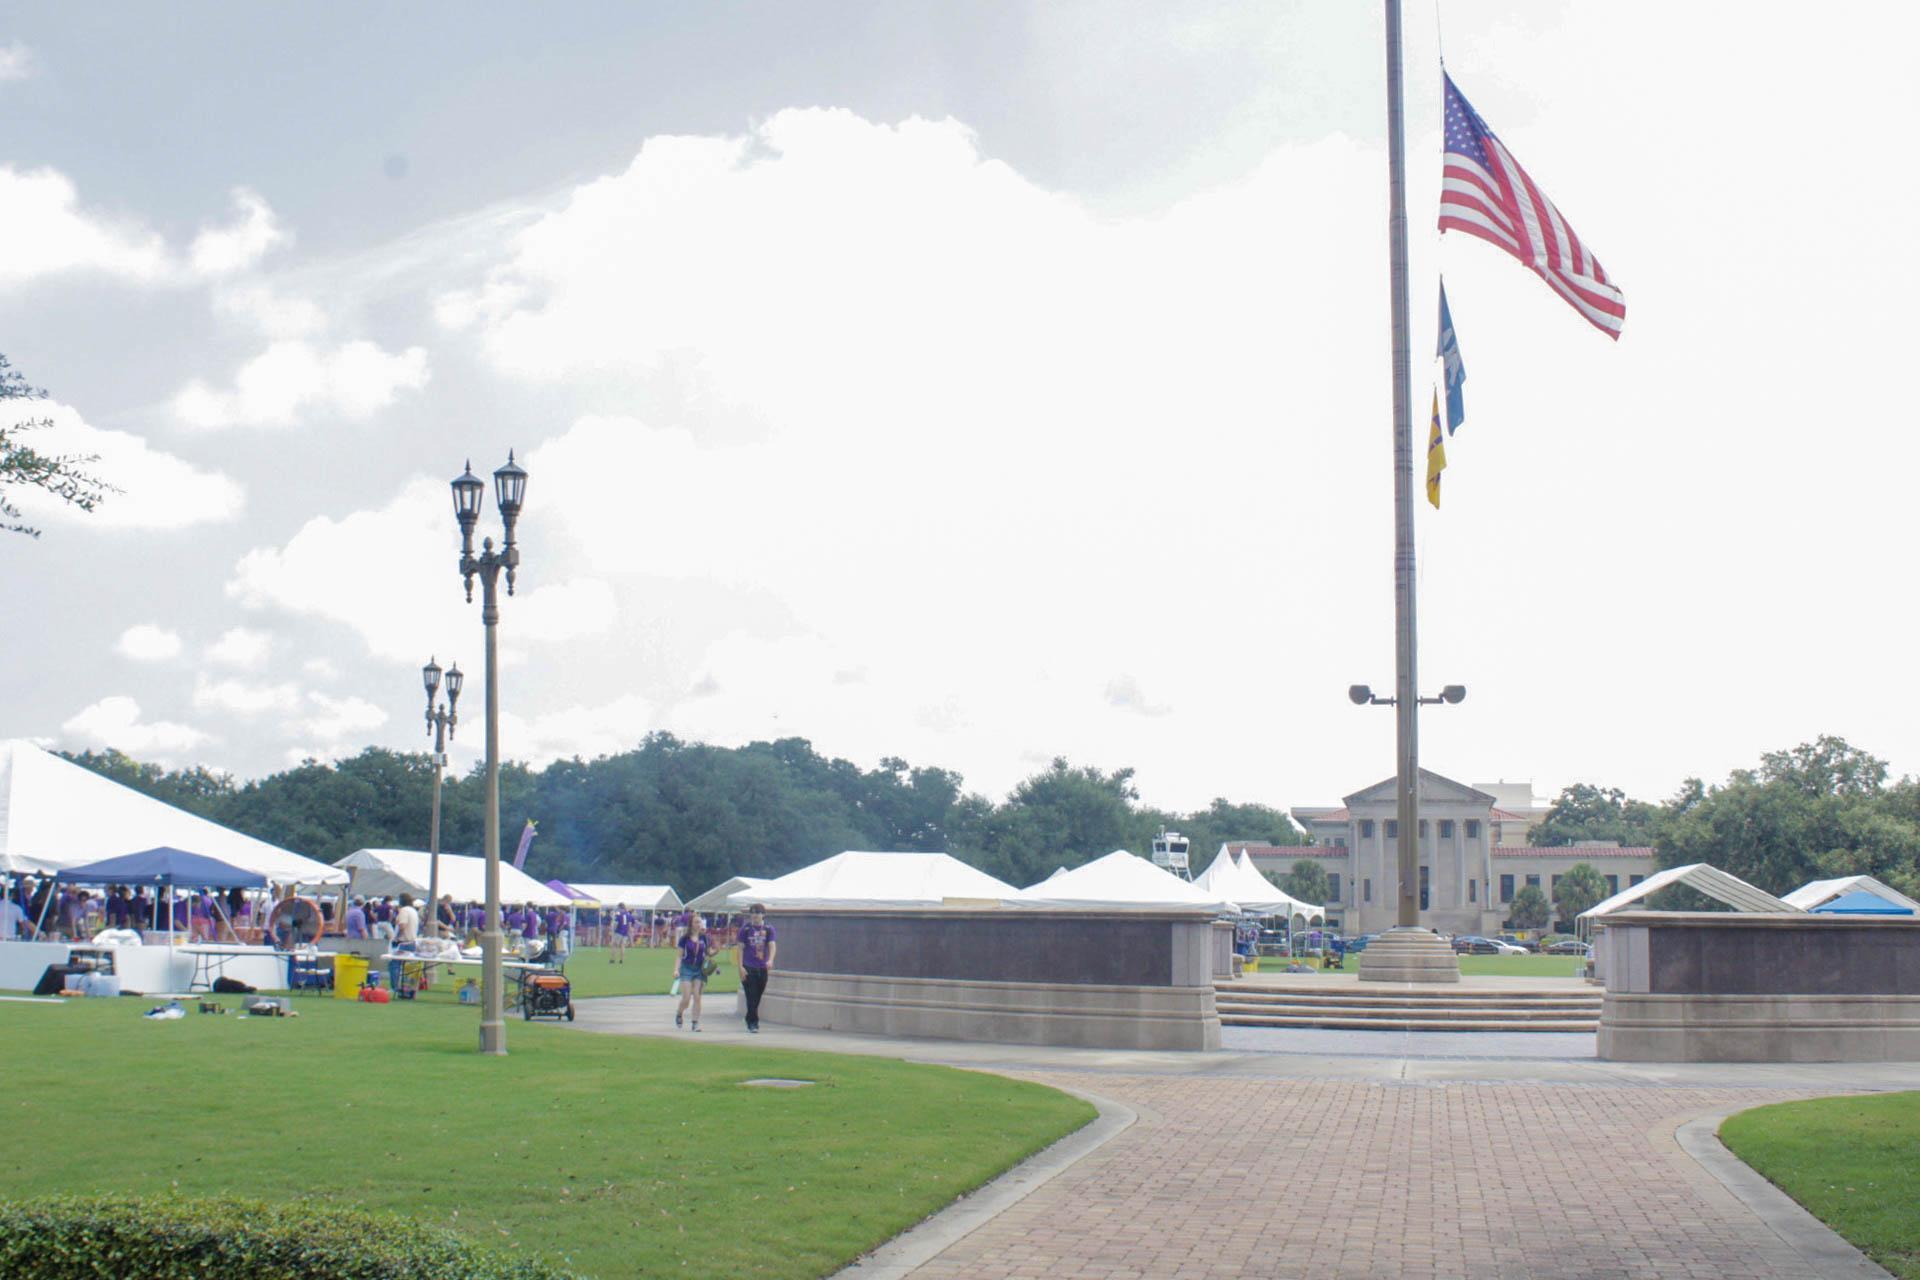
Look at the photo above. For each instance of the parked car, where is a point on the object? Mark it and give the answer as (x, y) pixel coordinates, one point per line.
(1569, 947)
(1514, 939)
(1474, 944)
(1507, 948)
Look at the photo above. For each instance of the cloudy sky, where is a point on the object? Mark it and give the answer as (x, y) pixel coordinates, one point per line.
(972, 383)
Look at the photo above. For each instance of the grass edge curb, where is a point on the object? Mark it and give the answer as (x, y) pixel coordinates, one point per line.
(934, 1234)
(1826, 1251)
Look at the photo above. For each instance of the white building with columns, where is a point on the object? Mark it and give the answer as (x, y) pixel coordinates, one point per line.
(1467, 877)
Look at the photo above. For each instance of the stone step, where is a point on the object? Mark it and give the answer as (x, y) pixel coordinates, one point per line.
(1328, 1022)
(1435, 1013)
(1252, 999)
(1405, 995)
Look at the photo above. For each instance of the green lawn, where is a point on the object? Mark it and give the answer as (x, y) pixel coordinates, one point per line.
(616, 1155)
(646, 971)
(1853, 1162)
(1528, 966)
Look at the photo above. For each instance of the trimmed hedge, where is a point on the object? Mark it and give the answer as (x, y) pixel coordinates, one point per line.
(183, 1238)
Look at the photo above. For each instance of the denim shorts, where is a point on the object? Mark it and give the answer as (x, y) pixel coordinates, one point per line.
(691, 975)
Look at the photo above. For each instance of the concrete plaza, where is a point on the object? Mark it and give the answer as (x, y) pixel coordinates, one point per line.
(1294, 1153)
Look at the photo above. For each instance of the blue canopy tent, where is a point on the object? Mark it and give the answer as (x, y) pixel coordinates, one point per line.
(1862, 903)
(164, 867)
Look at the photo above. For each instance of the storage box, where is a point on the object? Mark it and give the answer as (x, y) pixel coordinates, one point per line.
(102, 984)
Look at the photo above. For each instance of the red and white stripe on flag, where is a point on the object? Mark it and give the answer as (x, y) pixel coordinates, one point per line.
(1484, 192)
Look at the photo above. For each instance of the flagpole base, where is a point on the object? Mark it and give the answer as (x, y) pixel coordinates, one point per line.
(1409, 954)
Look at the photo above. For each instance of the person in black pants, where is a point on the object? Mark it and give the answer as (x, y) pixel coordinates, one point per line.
(757, 945)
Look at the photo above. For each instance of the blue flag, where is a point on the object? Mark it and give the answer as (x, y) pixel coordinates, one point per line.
(1455, 373)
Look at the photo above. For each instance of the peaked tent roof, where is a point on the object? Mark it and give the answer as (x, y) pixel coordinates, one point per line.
(1712, 881)
(1810, 896)
(862, 879)
(1124, 881)
(1862, 903)
(385, 872)
(1239, 881)
(715, 899)
(55, 813)
(164, 866)
(643, 897)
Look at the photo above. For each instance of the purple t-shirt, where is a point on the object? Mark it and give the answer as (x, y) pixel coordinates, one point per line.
(356, 922)
(755, 940)
(693, 952)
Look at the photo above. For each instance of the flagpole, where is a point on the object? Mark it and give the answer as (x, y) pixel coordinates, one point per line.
(1406, 700)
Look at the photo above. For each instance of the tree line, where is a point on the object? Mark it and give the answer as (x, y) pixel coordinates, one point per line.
(691, 815)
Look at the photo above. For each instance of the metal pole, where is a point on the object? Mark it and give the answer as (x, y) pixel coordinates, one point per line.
(433, 835)
(1407, 706)
(493, 1020)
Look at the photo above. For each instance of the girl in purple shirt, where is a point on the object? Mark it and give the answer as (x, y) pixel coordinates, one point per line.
(694, 952)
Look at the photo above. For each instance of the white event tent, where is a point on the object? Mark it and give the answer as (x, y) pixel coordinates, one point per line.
(1712, 881)
(1239, 881)
(379, 873)
(715, 899)
(1817, 893)
(55, 814)
(637, 897)
(861, 879)
(1120, 881)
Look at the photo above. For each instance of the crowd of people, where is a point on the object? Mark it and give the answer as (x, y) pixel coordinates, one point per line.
(44, 910)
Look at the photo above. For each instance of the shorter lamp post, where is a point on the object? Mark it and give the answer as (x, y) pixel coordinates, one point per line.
(441, 721)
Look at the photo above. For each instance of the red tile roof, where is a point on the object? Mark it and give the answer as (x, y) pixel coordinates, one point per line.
(1576, 852)
(1258, 851)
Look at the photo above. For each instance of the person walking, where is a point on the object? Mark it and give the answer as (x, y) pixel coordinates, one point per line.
(758, 942)
(694, 954)
(622, 927)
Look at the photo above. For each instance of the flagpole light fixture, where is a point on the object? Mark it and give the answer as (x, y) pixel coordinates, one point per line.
(469, 494)
(1363, 696)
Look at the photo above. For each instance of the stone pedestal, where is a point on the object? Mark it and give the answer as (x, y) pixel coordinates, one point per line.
(1409, 955)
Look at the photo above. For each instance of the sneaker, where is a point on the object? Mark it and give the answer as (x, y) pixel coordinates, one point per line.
(754, 1028)
(696, 1024)
(676, 1020)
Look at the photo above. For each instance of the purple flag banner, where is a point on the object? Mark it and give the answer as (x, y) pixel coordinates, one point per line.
(526, 842)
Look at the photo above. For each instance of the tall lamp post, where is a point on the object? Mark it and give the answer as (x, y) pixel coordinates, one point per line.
(441, 721)
(469, 492)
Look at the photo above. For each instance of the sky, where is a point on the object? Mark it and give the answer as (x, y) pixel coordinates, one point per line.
(972, 384)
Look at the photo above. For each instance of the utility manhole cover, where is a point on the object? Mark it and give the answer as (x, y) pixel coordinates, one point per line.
(777, 1082)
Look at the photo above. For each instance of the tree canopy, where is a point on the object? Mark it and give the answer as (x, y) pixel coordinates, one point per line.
(65, 476)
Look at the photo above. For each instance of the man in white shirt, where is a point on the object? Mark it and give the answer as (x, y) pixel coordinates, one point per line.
(406, 937)
(12, 919)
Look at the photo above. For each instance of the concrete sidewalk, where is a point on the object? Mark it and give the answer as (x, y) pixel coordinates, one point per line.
(1362, 1154)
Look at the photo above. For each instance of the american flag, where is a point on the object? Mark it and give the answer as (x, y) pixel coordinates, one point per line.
(1484, 192)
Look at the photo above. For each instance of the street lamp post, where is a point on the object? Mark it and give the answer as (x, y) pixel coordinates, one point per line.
(441, 721)
(469, 491)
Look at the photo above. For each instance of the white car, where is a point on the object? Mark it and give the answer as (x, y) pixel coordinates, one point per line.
(1507, 948)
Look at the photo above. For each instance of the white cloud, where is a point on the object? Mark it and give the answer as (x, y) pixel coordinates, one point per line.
(45, 232)
(241, 647)
(16, 62)
(295, 378)
(242, 698)
(219, 251)
(321, 668)
(115, 722)
(148, 642)
(274, 314)
(582, 731)
(389, 574)
(338, 718)
(158, 490)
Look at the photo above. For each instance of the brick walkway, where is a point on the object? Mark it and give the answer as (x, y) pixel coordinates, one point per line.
(1277, 1178)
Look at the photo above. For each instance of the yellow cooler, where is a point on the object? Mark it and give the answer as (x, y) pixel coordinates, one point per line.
(349, 974)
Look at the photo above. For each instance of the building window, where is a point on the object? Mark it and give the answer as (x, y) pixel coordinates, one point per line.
(1366, 828)
(1423, 888)
(1473, 828)
(1423, 828)
(1473, 891)
(1613, 885)
(1553, 889)
(1333, 887)
(1393, 829)
(1634, 880)
(1506, 888)
(1446, 828)
(1366, 890)
(1533, 881)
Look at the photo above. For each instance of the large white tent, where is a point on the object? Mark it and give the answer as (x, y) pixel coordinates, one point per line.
(1120, 881)
(55, 813)
(379, 873)
(1712, 881)
(1239, 881)
(636, 897)
(861, 879)
(1817, 893)
(715, 899)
